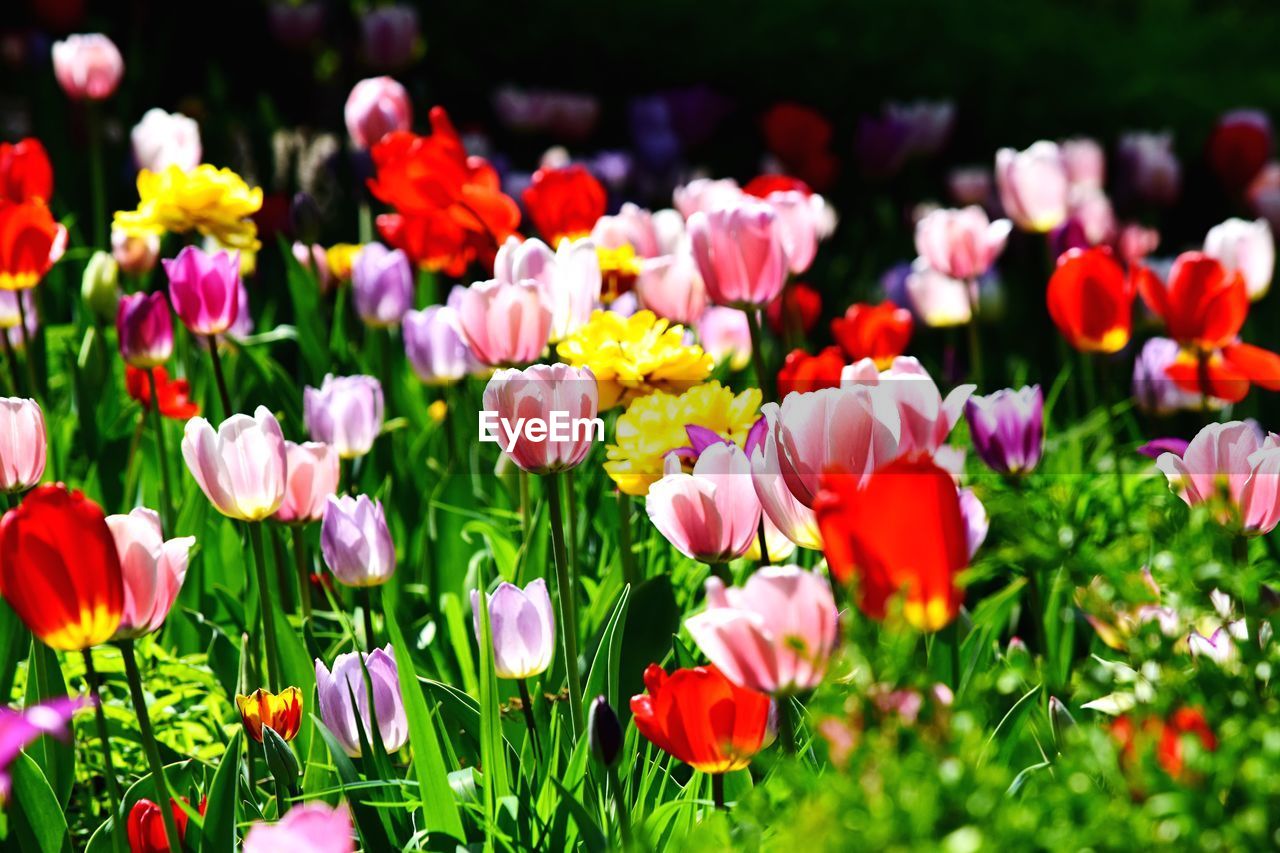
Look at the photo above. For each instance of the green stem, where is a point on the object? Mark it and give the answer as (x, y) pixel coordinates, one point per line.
(97, 179)
(366, 604)
(630, 575)
(620, 807)
(304, 576)
(166, 489)
(717, 791)
(11, 356)
(526, 705)
(567, 601)
(150, 746)
(219, 377)
(786, 726)
(366, 222)
(721, 570)
(757, 354)
(265, 605)
(108, 766)
(526, 511)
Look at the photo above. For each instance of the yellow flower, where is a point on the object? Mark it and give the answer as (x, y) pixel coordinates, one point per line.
(653, 426)
(619, 269)
(634, 356)
(341, 257)
(215, 202)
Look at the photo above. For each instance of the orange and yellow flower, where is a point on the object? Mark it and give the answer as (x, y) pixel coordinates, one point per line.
(281, 711)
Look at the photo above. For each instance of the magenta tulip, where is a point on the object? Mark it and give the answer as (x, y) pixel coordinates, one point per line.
(144, 328)
(204, 289)
(20, 728)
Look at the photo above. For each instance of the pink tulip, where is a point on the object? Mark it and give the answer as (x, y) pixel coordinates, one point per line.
(705, 194)
(939, 300)
(523, 626)
(855, 427)
(792, 518)
(568, 279)
(311, 478)
(1033, 186)
(775, 634)
(1085, 162)
(504, 322)
(671, 287)
(799, 218)
(241, 468)
(204, 289)
(136, 255)
(739, 254)
(376, 106)
(651, 235)
(88, 67)
(926, 419)
(153, 570)
(314, 827)
(564, 399)
(707, 515)
(970, 185)
(164, 139)
(961, 244)
(144, 329)
(725, 335)
(22, 444)
(1246, 247)
(1234, 470)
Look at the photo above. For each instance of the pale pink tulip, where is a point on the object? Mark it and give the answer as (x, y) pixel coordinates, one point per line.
(564, 399)
(569, 278)
(504, 322)
(703, 194)
(671, 287)
(710, 515)
(1085, 162)
(799, 218)
(939, 300)
(961, 244)
(153, 570)
(23, 444)
(926, 418)
(739, 253)
(725, 335)
(311, 471)
(775, 634)
(376, 106)
(649, 234)
(162, 139)
(87, 67)
(791, 517)
(1246, 247)
(312, 827)
(1033, 186)
(242, 467)
(1234, 470)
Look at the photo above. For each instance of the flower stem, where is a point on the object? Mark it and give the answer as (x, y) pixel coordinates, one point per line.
(526, 511)
(526, 705)
(764, 545)
(366, 605)
(97, 180)
(757, 354)
(149, 745)
(620, 807)
(629, 573)
(264, 602)
(566, 598)
(717, 791)
(166, 490)
(12, 357)
(786, 726)
(100, 717)
(219, 377)
(304, 576)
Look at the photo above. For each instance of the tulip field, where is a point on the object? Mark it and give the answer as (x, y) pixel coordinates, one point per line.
(572, 470)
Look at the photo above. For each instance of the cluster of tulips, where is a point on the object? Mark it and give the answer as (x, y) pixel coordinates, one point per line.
(802, 489)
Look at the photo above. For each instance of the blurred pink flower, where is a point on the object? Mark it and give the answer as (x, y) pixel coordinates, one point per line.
(88, 67)
(961, 244)
(1234, 470)
(1033, 186)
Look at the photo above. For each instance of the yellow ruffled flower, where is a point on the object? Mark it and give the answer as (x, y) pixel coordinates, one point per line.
(619, 269)
(341, 257)
(653, 426)
(634, 356)
(215, 202)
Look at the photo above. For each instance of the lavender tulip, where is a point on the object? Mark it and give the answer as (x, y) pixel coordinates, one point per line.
(336, 689)
(382, 285)
(1153, 391)
(355, 541)
(434, 345)
(1007, 428)
(523, 628)
(345, 411)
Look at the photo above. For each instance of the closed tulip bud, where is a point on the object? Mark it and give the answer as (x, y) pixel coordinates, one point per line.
(355, 541)
(87, 67)
(205, 289)
(739, 253)
(312, 472)
(23, 444)
(153, 570)
(1007, 428)
(345, 411)
(144, 329)
(242, 467)
(725, 335)
(376, 106)
(136, 254)
(564, 398)
(434, 345)
(99, 285)
(523, 627)
(604, 732)
(336, 691)
(504, 322)
(164, 139)
(671, 287)
(382, 285)
(282, 712)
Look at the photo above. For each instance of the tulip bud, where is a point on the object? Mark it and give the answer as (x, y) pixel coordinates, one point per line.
(355, 541)
(604, 732)
(152, 567)
(281, 761)
(376, 107)
(524, 628)
(136, 254)
(205, 289)
(1060, 718)
(144, 329)
(98, 285)
(382, 285)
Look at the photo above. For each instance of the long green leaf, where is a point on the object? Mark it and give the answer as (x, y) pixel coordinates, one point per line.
(219, 835)
(38, 819)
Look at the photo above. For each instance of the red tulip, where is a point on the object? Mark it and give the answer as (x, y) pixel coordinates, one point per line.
(762, 185)
(795, 309)
(1167, 735)
(174, 394)
(28, 240)
(701, 717)
(25, 172)
(804, 372)
(801, 138)
(146, 825)
(903, 532)
(1239, 147)
(59, 569)
(1091, 300)
(878, 332)
(564, 203)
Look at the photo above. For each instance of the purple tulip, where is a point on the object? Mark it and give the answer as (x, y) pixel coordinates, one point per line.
(1007, 428)
(523, 628)
(435, 347)
(389, 37)
(1156, 447)
(355, 541)
(345, 411)
(204, 289)
(145, 329)
(382, 285)
(335, 690)
(18, 729)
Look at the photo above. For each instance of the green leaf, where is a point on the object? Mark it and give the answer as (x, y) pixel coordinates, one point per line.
(55, 758)
(39, 822)
(492, 756)
(219, 834)
(603, 678)
(588, 829)
(373, 832)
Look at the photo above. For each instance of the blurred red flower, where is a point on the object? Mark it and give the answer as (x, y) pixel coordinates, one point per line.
(25, 172)
(28, 237)
(1166, 734)
(1239, 147)
(878, 332)
(761, 185)
(804, 372)
(796, 309)
(564, 203)
(174, 394)
(1090, 299)
(800, 137)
